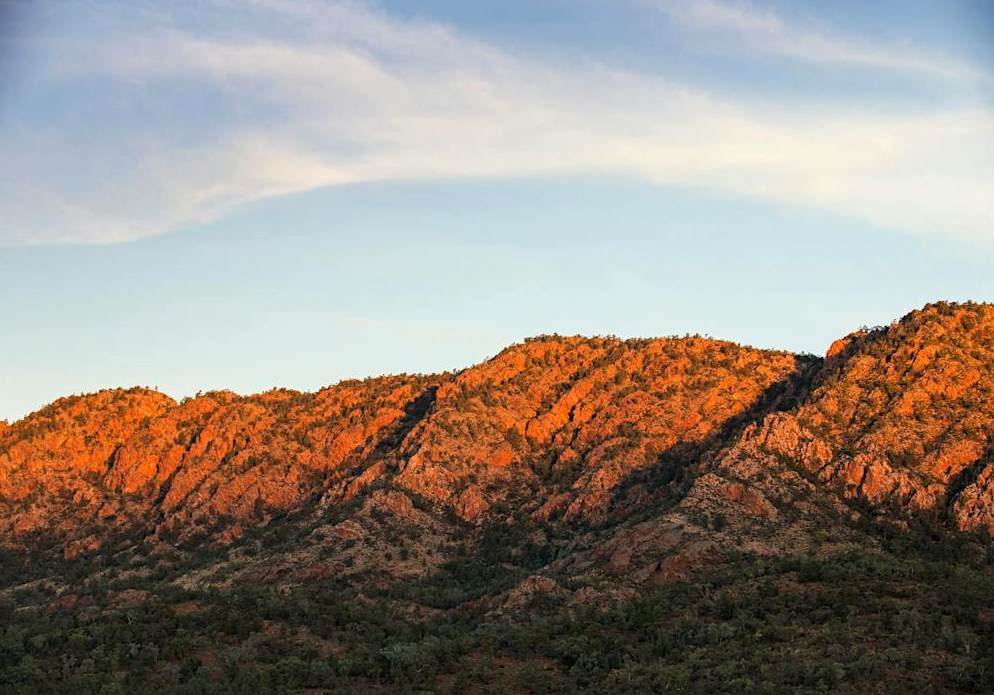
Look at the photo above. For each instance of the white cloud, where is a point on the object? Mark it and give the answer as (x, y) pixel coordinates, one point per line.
(308, 95)
(766, 32)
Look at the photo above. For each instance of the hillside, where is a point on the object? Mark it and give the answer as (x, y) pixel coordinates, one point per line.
(575, 514)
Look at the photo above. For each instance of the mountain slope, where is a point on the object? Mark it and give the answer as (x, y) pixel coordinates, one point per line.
(903, 416)
(692, 508)
(559, 420)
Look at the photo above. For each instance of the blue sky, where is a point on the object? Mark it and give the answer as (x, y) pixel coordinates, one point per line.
(243, 195)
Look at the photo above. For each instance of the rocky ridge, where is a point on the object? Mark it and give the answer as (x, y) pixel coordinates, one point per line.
(576, 432)
(573, 515)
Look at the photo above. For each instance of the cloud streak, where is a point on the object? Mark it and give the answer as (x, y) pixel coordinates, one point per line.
(764, 31)
(301, 95)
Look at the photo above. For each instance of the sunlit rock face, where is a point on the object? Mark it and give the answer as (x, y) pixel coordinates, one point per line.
(559, 430)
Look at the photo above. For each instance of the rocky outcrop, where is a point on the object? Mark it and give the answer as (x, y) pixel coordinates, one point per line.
(901, 417)
(973, 508)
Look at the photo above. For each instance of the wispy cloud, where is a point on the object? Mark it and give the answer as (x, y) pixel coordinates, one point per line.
(765, 31)
(301, 95)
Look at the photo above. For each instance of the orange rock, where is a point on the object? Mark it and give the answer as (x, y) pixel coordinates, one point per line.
(554, 426)
(471, 504)
(974, 507)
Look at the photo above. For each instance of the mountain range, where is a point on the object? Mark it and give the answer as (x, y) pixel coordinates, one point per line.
(573, 514)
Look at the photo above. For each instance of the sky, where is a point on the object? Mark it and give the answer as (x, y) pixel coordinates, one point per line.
(257, 193)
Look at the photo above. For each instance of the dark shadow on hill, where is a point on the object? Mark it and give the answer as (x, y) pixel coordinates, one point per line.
(964, 479)
(668, 480)
(388, 447)
(414, 412)
(502, 554)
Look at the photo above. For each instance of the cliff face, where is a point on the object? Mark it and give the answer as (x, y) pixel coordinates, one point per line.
(571, 431)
